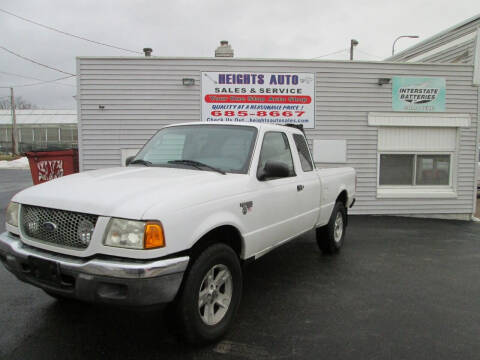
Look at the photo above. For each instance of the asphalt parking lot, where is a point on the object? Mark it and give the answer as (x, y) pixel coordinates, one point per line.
(401, 289)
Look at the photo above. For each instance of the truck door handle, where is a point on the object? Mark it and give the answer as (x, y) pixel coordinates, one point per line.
(300, 187)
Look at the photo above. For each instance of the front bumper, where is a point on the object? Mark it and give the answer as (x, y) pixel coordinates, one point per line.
(105, 280)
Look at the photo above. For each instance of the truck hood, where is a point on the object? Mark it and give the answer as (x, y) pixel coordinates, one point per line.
(128, 192)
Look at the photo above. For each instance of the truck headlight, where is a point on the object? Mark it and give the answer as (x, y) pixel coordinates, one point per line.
(134, 234)
(12, 214)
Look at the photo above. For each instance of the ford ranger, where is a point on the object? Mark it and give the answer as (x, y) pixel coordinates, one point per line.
(176, 225)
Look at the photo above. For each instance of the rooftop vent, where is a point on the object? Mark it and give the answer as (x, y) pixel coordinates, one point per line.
(224, 50)
(148, 51)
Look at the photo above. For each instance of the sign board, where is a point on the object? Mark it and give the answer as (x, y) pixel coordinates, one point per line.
(276, 98)
(420, 94)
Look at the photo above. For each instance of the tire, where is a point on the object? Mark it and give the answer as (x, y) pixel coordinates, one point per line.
(214, 278)
(330, 238)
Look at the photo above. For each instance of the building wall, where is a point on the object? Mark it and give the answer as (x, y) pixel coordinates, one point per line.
(140, 95)
(453, 43)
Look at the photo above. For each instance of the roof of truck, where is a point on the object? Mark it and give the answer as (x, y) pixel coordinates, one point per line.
(272, 127)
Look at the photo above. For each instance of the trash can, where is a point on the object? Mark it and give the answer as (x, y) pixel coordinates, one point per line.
(48, 165)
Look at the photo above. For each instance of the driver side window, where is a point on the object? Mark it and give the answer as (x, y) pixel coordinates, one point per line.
(276, 148)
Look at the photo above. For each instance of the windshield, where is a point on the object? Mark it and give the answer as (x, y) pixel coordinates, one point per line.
(224, 147)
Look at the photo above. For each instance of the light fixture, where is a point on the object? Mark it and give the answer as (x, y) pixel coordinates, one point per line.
(400, 37)
(383, 81)
(188, 81)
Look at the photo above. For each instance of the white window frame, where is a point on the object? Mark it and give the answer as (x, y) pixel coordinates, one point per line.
(418, 191)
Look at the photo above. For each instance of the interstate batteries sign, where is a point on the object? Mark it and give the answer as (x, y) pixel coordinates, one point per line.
(419, 94)
(275, 98)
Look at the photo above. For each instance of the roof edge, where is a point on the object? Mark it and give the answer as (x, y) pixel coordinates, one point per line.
(151, 58)
(435, 36)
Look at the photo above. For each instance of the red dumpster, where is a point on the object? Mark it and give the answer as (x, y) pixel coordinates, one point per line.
(48, 165)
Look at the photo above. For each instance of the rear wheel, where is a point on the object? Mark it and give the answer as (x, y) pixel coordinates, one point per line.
(211, 294)
(330, 238)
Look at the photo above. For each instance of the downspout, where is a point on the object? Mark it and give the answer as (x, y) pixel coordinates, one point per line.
(476, 82)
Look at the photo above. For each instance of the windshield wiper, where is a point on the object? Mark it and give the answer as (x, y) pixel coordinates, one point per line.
(141, 161)
(197, 164)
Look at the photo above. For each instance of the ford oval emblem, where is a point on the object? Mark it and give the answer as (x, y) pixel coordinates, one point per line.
(49, 226)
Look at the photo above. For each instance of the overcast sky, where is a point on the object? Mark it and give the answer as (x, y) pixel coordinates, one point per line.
(259, 28)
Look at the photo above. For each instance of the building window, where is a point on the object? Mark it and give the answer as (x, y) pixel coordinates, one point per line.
(396, 169)
(52, 135)
(433, 170)
(415, 169)
(26, 135)
(66, 135)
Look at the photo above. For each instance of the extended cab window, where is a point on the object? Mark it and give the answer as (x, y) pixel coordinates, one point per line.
(303, 152)
(275, 147)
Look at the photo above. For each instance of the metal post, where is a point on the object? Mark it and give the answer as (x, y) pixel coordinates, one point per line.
(353, 43)
(14, 123)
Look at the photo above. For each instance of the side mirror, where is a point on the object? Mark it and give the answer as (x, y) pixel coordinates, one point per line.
(129, 160)
(273, 169)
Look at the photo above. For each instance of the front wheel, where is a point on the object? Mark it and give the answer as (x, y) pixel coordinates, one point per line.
(330, 237)
(211, 294)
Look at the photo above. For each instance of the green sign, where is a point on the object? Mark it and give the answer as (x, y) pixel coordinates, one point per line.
(419, 94)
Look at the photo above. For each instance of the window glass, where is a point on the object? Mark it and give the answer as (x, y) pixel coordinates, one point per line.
(275, 147)
(167, 147)
(433, 170)
(303, 152)
(65, 135)
(225, 147)
(75, 135)
(52, 134)
(26, 135)
(39, 134)
(396, 169)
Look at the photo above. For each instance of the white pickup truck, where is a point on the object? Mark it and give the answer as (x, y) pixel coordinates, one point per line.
(175, 225)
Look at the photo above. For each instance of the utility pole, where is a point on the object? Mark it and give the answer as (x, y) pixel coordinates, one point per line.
(14, 123)
(353, 43)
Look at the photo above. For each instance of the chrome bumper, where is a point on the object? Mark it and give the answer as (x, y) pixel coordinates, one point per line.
(127, 282)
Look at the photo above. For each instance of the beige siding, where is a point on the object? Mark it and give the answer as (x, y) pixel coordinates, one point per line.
(141, 95)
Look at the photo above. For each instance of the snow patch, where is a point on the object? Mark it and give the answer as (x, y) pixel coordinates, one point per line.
(21, 163)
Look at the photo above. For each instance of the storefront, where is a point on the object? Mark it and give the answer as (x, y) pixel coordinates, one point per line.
(409, 130)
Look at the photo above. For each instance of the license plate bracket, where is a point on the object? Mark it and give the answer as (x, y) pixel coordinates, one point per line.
(45, 270)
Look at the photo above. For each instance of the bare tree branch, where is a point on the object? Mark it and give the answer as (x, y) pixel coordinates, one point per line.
(20, 104)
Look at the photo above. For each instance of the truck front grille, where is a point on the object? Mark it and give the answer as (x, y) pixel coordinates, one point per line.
(57, 227)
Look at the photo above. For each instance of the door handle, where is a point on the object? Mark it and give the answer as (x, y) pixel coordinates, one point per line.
(300, 187)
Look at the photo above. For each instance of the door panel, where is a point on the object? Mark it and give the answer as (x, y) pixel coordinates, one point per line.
(276, 202)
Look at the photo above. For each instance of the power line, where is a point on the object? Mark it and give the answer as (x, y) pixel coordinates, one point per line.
(47, 82)
(33, 78)
(18, 75)
(372, 55)
(333, 53)
(68, 34)
(35, 62)
(42, 82)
